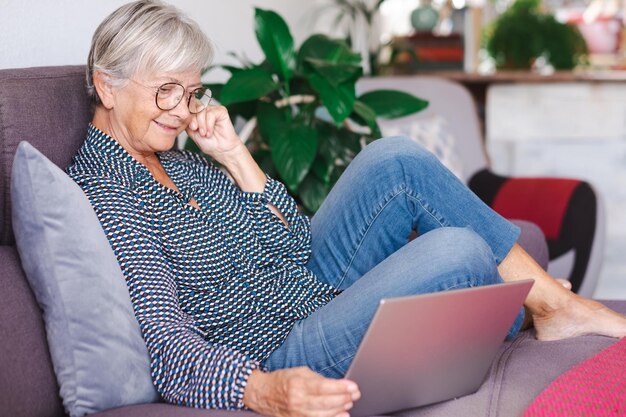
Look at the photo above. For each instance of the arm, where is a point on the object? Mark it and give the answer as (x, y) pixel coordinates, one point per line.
(267, 200)
(185, 368)
(213, 132)
(292, 243)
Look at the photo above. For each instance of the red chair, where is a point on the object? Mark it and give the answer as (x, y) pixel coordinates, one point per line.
(568, 211)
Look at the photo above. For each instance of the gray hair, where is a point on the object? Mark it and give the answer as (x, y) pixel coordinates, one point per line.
(146, 35)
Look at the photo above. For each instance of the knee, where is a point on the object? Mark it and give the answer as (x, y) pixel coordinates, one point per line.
(400, 151)
(465, 251)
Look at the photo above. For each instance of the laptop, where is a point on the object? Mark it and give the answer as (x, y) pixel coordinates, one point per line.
(427, 348)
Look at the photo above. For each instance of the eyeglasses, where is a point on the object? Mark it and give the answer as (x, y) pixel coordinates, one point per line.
(169, 95)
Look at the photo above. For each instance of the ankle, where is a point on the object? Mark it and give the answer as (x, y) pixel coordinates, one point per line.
(551, 296)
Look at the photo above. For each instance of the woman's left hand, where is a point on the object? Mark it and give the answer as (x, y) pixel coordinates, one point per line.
(213, 132)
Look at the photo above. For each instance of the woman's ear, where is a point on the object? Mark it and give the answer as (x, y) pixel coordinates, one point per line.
(104, 87)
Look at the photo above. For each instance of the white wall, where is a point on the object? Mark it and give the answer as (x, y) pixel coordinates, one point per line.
(58, 32)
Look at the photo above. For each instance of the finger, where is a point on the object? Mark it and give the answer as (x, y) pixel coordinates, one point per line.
(332, 403)
(319, 385)
(329, 413)
(193, 124)
(218, 119)
(205, 121)
(320, 412)
(322, 396)
(327, 386)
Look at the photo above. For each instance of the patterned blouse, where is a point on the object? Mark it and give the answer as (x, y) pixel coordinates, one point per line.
(215, 290)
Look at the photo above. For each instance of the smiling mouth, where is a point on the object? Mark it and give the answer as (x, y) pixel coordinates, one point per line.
(164, 126)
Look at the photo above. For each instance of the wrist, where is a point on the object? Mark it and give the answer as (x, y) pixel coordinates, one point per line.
(253, 393)
(236, 159)
(232, 157)
(245, 171)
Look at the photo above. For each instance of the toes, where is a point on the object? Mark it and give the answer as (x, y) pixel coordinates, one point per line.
(565, 283)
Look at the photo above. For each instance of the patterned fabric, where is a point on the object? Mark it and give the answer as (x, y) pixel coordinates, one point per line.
(215, 290)
(596, 387)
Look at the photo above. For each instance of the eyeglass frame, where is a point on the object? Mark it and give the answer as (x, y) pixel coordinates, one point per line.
(189, 95)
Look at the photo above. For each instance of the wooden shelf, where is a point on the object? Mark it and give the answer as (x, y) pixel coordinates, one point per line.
(533, 77)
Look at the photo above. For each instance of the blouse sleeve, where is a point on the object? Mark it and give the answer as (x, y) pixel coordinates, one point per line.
(186, 369)
(292, 241)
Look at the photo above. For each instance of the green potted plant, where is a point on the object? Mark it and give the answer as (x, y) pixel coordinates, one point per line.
(309, 122)
(524, 33)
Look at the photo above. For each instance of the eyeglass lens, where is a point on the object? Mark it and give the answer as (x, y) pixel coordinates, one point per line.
(169, 95)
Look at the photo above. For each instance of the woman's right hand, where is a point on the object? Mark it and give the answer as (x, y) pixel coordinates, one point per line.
(299, 392)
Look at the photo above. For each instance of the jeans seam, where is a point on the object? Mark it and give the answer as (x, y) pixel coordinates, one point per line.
(334, 365)
(471, 282)
(386, 202)
(433, 213)
(402, 189)
(328, 351)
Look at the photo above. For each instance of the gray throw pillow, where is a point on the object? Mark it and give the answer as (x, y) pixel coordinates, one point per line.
(98, 354)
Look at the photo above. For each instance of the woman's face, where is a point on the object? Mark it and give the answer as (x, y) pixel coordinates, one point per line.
(136, 121)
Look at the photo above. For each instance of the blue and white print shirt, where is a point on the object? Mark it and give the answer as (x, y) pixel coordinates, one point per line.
(215, 290)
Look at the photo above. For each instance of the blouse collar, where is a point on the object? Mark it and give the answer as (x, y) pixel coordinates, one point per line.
(104, 143)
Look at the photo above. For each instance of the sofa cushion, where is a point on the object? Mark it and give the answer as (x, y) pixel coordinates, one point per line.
(28, 387)
(169, 410)
(594, 387)
(98, 354)
(47, 106)
(433, 134)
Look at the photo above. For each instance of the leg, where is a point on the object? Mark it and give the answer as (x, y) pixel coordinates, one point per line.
(393, 187)
(439, 260)
(557, 312)
(533, 241)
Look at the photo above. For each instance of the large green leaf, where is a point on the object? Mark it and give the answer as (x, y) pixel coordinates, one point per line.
(264, 159)
(368, 115)
(329, 147)
(390, 104)
(312, 192)
(248, 84)
(276, 42)
(321, 47)
(322, 168)
(337, 144)
(339, 100)
(270, 119)
(293, 151)
(245, 109)
(335, 73)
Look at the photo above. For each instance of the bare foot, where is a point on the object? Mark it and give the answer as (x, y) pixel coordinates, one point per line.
(577, 316)
(557, 312)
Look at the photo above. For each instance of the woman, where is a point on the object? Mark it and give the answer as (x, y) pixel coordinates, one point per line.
(242, 302)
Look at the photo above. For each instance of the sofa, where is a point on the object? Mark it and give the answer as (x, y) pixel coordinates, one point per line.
(48, 107)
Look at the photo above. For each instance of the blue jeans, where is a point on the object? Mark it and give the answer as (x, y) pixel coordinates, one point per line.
(360, 244)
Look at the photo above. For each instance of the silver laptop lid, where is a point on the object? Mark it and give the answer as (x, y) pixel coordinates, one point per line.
(428, 348)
